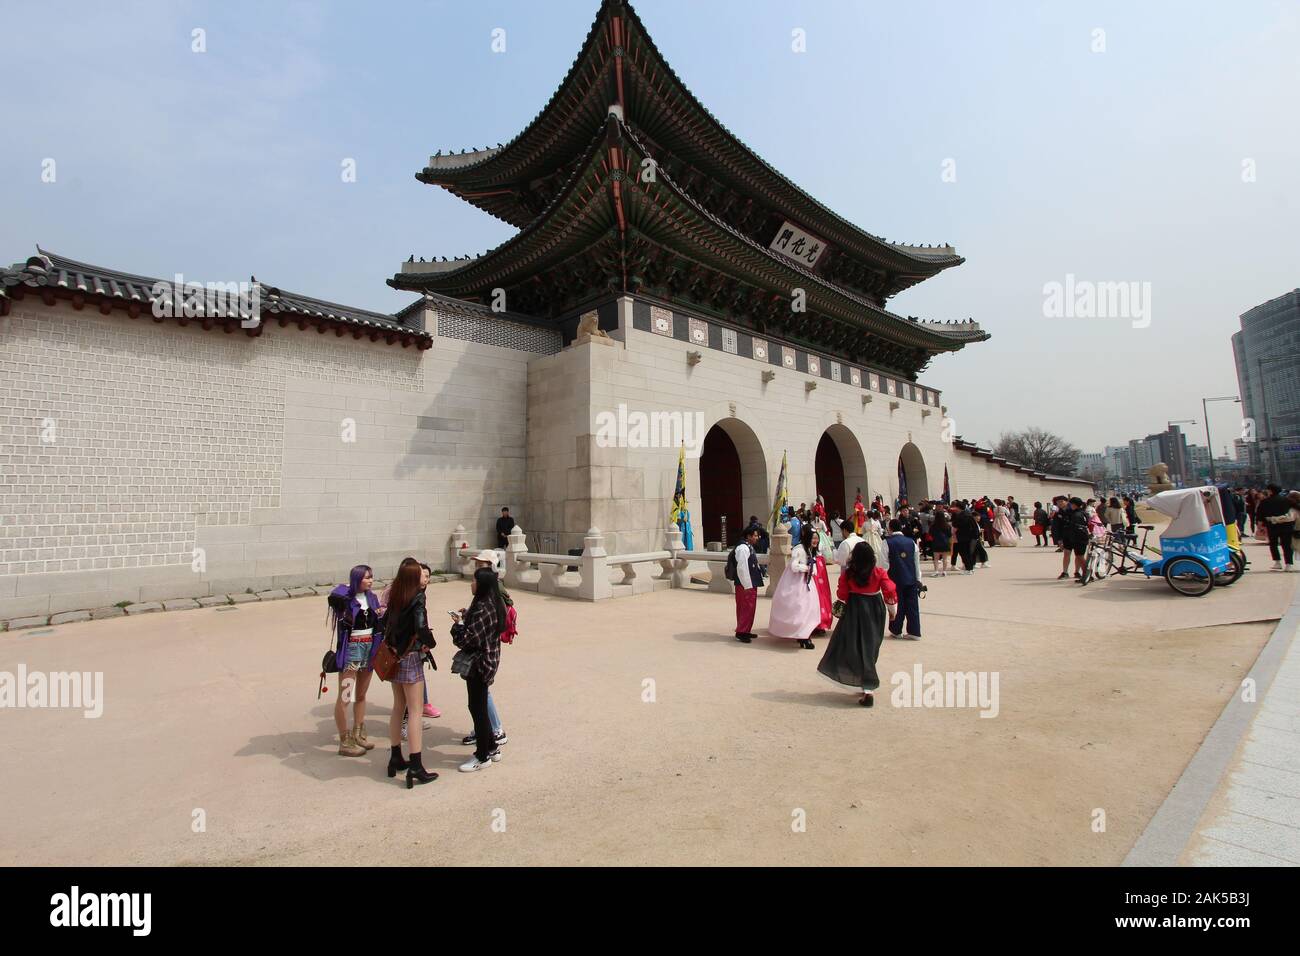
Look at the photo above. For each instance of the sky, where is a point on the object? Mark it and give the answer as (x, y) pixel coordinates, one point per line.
(1153, 143)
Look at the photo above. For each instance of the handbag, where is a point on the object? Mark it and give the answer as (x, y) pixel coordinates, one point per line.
(463, 662)
(386, 661)
(1036, 529)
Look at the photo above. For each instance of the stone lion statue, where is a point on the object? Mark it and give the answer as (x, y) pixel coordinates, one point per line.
(1159, 475)
(589, 327)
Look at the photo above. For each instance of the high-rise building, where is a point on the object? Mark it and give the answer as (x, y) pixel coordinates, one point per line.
(1118, 462)
(1267, 353)
(1088, 464)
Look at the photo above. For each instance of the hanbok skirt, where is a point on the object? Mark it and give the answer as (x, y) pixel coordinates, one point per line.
(854, 647)
(796, 607)
(1007, 537)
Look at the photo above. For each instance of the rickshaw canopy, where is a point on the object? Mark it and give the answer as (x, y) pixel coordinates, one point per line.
(1192, 510)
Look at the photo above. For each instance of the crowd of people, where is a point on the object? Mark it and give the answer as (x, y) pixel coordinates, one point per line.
(391, 633)
(1272, 513)
(880, 551)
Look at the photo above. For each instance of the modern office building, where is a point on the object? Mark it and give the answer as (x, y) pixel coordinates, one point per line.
(1267, 353)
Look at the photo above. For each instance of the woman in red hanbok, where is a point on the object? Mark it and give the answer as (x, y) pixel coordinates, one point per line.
(859, 514)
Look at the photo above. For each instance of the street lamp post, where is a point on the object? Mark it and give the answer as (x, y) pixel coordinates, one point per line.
(1206, 415)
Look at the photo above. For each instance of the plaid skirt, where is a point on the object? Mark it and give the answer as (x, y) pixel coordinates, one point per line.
(410, 669)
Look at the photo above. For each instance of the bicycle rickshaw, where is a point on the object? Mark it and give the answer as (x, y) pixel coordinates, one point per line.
(1194, 553)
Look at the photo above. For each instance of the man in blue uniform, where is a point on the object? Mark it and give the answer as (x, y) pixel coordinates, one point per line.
(905, 572)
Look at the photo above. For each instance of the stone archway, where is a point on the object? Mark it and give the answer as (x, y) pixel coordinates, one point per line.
(841, 469)
(911, 467)
(733, 481)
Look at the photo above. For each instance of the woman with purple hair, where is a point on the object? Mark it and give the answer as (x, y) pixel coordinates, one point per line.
(354, 617)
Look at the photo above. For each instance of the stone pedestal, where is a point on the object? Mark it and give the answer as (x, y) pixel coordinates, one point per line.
(778, 557)
(595, 568)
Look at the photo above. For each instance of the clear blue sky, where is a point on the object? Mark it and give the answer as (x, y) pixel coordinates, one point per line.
(1114, 166)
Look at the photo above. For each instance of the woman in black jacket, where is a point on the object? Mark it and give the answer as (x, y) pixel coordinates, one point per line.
(406, 630)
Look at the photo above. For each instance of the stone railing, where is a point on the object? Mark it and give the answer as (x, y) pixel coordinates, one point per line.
(588, 577)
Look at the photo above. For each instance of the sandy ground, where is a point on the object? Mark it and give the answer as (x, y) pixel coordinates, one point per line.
(1105, 693)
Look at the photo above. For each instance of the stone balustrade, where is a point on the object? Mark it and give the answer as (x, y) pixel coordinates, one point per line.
(589, 576)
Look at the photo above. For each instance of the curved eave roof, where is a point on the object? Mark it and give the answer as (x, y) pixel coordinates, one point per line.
(548, 132)
(59, 274)
(580, 213)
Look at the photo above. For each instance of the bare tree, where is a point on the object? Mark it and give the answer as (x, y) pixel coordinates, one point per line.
(1038, 449)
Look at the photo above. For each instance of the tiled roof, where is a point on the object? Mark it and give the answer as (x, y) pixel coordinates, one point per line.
(49, 274)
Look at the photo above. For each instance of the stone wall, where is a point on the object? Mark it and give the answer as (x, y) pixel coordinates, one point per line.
(145, 461)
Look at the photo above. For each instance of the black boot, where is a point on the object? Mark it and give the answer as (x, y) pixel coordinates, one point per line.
(415, 772)
(395, 761)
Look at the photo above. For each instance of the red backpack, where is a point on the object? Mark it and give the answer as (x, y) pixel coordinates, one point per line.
(512, 620)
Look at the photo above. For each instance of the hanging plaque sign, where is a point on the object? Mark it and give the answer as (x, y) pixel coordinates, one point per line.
(793, 243)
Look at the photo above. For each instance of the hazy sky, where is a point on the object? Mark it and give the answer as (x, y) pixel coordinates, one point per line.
(1127, 165)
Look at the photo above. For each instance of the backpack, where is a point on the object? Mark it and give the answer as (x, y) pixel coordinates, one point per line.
(730, 570)
(512, 628)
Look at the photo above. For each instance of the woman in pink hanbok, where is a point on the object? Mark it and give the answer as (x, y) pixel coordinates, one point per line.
(1007, 537)
(796, 602)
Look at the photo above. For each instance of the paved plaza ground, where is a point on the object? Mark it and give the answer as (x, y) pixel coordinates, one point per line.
(1106, 693)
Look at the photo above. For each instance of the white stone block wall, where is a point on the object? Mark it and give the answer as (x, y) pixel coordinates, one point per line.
(627, 492)
(134, 452)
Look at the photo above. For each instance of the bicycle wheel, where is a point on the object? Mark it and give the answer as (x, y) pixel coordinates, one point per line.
(1234, 572)
(1089, 560)
(1189, 576)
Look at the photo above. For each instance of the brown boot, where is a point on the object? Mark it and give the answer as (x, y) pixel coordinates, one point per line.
(348, 746)
(359, 736)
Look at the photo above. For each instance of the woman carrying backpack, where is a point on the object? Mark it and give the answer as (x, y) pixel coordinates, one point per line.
(487, 559)
(478, 635)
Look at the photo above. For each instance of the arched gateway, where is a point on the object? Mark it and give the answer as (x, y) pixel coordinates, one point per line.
(841, 469)
(913, 481)
(733, 480)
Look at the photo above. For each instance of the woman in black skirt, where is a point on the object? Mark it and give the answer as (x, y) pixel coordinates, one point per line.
(850, 657)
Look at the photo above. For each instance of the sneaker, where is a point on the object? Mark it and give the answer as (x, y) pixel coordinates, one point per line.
(1277, 566)
(867, 700)
(908, 637)
(500, 738)
(1289, 567)
(473, 763)
(1063, 575)
(431, 711)
(744, 638)
(495, 756)
(972, 572)
(469, 741)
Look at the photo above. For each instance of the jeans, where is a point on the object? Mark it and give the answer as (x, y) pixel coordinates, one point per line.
(493, 716)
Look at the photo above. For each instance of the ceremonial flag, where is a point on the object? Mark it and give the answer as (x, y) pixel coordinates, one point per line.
(947, 495)
(902, 481)
(679, 493)
(781, 499)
